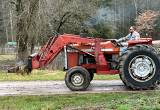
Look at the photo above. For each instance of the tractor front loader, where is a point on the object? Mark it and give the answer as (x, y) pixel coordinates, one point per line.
(137, 63)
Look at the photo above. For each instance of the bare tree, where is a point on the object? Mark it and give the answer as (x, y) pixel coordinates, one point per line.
(26, 16)
(68, 13)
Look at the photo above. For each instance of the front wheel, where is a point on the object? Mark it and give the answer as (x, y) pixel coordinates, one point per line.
(91, 72)
(91, 76)
(77, 78)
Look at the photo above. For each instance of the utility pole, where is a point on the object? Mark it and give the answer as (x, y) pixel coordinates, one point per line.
(5, 22)
(11, 22)
(136, 8)
(115, 13)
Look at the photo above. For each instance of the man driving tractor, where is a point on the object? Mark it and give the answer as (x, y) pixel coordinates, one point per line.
(133, 35)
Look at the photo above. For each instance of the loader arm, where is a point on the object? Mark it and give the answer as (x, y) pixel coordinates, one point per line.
(54, 46)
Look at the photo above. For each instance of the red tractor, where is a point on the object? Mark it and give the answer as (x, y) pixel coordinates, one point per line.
(137, 63)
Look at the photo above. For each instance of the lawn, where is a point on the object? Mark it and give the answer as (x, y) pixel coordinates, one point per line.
(7, 59)
(38, 74)
(104, 101)
(46, 75)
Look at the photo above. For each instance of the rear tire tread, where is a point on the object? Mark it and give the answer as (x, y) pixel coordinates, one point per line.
(122, 61)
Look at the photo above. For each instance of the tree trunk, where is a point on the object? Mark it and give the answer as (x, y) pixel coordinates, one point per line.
(22, 36)
(26, 26)
(22, 40)
(32, 24)
(32, 45)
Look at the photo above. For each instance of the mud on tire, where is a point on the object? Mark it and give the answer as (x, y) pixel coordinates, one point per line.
(77, 78)
(140, 67)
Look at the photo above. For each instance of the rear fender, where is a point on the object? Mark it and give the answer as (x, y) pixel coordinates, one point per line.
(147, 41)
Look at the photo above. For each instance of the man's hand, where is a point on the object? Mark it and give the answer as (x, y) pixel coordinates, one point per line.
(116, 43)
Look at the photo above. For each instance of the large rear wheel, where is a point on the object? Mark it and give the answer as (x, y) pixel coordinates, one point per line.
(140, 67)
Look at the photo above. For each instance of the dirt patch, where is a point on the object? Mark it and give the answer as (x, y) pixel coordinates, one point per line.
(98, 107)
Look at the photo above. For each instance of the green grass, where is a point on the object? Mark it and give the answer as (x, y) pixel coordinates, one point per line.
(35, 75)
(107, 101)
(39, 74)
(46, 75)
(7, 59)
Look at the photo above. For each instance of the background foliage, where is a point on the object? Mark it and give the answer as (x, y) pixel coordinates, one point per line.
(31, 22)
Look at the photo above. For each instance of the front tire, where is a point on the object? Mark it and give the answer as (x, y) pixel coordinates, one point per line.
(91, 76)
(77, 78)
(139, 67)
(91, 72)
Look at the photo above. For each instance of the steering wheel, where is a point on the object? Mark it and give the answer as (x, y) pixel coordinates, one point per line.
(116, 43)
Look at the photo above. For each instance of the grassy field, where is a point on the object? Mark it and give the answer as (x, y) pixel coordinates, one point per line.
(38, 74)
(46, 75)
(7, 59)
(103, 101)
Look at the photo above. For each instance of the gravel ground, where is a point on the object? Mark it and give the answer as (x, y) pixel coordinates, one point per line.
(57, 87)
